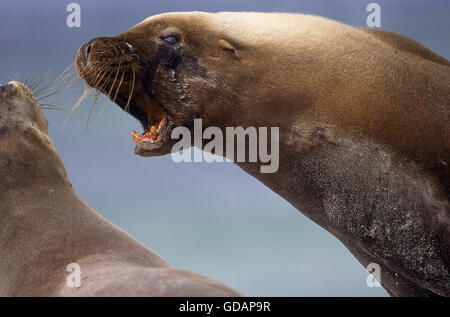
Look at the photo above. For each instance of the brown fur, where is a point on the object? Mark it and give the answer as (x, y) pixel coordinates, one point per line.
(44, 225)
(364, 119)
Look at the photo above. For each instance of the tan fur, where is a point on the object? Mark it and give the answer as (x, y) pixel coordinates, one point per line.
(44, 225)
(364, 119)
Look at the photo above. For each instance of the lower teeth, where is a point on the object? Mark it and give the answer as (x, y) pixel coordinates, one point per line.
(152, 134)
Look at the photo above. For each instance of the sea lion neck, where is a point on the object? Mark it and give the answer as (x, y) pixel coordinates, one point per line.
(28, 162)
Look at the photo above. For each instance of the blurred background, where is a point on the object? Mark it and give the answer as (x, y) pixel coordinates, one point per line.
(211, 218)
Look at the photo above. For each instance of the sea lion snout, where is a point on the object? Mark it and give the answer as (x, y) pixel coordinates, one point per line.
(19, 108)
(105, 51)
(100, 42)
(15, 88)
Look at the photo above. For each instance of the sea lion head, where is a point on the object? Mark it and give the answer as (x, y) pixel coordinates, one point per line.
(27, 155)
(19, 109)
(173, 68)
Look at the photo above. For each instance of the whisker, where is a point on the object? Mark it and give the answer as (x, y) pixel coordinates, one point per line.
(115, 78)
(52, 87)
(103, 107)
(118, 87)
(106, 99)
(59, 90)
(51, 107)
(101, 78)
(86, 92)
(127, 106)
(62, 100)
(92, 109)
(97, 94)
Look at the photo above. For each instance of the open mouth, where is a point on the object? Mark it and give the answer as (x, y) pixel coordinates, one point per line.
(152, 135)
(155, 119)
(121, 77)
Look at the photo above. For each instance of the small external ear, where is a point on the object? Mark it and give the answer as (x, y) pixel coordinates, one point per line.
(227, 46)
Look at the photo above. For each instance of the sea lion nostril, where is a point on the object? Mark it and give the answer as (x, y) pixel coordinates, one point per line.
(4, 88)
(87, 47)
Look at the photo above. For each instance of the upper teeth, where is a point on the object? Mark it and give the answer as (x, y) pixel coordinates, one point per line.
(152, 134)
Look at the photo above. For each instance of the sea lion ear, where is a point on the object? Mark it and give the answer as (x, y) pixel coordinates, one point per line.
(227, 46)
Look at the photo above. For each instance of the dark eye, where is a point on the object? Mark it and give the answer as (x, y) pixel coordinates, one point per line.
(170, 39)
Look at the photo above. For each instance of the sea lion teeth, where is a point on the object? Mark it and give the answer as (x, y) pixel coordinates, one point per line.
(153, 133)
(163, 120)
(136, 136)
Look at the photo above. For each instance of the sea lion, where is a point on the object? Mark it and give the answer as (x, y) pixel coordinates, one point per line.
(364, 118)
(45, 226)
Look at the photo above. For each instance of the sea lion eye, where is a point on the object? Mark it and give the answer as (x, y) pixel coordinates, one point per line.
(170, 39)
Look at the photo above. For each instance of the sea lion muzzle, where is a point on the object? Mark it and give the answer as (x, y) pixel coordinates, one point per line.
(5, 88)
(112, 66)
(107, 51)
(86, 47)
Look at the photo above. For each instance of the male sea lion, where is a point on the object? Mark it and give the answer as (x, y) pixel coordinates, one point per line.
(45, 226)
(364, 119)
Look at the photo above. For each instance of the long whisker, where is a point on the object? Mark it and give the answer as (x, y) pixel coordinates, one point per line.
(115, 78)
(57, 91)
(118, 87)
(51, 107)
(50, 88)
(101, 78)
(86, 92)
(127, 106)
(62, 101)
(42, 81)
(101, 89)
(103, 107)
(92, 109)
(97, 94)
